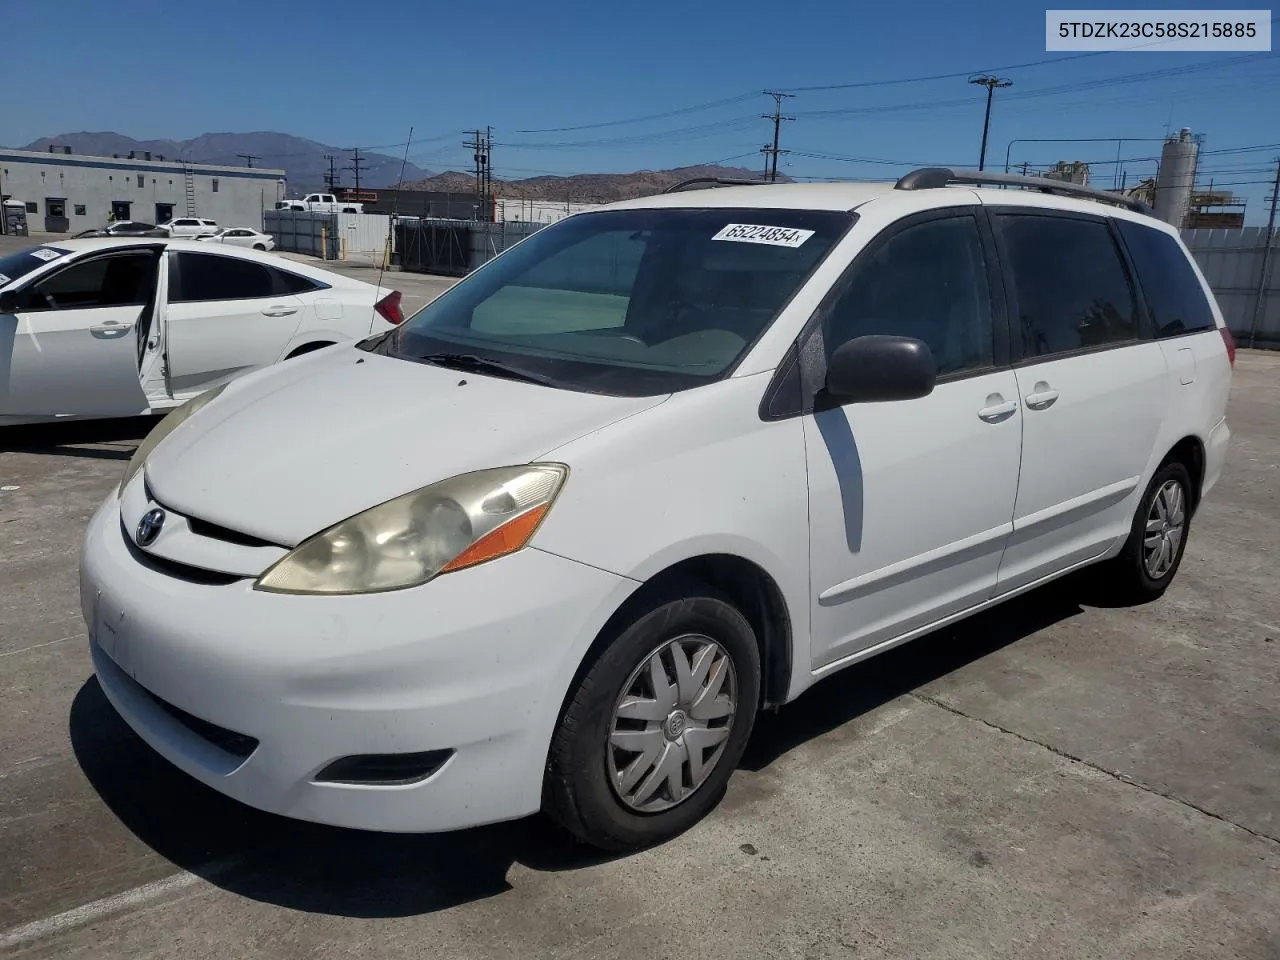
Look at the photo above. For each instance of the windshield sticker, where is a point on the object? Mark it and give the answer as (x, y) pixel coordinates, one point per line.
(754, 233)
(44, 253)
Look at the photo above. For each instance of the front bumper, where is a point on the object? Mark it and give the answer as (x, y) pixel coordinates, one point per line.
(477, 662)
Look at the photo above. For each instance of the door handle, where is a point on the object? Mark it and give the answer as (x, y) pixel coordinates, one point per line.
(111, 327)
(1043, 396)
(279, 311)
(997, 409)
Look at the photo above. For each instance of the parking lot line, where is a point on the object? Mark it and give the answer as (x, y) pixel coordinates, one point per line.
(89, 912)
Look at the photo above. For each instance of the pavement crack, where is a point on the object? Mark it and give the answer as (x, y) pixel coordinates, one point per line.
(1112, 774)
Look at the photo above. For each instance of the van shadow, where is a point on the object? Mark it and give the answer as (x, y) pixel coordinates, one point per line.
(351, 873)
(113, 439)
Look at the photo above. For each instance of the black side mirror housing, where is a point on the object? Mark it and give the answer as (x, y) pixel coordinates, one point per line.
(880, 368)
(8, 302)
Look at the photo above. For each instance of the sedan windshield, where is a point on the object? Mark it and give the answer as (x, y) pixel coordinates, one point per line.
(627, 302)
(19, 264)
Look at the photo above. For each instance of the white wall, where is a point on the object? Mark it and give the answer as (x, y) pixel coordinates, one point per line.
(94, 182)
(540, 211)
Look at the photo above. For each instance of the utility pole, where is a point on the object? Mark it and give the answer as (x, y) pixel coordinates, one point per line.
(991, 83)
(331, 178)
(488, 173)
(480, 144)
(1266, 258)
(356, 167)
(771, 153)
(248, 158)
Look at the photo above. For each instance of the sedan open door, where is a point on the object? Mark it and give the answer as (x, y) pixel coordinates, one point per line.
(70, 339)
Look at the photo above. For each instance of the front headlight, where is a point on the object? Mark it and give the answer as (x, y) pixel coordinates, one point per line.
(405, 542)
(172, 422)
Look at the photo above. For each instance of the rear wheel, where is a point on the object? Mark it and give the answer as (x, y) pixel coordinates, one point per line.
(656, 725)
(1152, 554)
(259, 246)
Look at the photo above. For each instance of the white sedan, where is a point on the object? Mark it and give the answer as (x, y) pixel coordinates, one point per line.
(243, 237)
(118, 327)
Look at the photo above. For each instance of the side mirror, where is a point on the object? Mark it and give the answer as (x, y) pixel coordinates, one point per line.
(8, 302)
(878, 368)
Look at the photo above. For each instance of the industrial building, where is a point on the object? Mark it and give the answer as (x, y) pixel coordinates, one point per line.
(66, 192)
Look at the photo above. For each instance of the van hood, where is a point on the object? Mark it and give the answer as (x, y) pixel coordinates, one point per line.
(289, 451)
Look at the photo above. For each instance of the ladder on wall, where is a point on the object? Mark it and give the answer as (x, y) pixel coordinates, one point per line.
(191, 190)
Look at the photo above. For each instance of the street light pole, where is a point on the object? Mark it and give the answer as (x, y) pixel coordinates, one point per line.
(991, 83)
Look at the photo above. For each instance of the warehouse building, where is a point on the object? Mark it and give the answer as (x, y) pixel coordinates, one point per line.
(66, 192)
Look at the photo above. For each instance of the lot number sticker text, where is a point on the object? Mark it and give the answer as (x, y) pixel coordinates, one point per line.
(754, 233)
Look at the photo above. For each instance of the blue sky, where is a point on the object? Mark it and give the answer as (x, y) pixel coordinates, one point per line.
(363, 73)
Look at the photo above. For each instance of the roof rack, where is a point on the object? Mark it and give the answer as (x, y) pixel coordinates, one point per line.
(928, 178)
(714, 181)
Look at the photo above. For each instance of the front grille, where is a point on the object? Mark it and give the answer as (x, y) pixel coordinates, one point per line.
(172, 568)
(203, 528)
(237, 744)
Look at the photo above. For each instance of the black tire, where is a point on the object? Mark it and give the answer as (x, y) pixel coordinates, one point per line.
(1126, 578)
(577, 793)
(260, 246)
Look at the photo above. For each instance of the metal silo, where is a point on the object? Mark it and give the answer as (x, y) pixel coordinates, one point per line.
(1176, 178)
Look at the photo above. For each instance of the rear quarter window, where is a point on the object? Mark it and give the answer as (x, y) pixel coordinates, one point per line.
(1175, 299)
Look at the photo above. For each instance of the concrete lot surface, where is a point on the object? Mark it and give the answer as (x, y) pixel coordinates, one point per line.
(1051, 780)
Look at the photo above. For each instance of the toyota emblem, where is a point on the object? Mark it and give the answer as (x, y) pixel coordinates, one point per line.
(149, 527)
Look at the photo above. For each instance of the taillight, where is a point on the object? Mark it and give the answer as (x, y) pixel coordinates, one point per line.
(389, 307)
(1230, 341)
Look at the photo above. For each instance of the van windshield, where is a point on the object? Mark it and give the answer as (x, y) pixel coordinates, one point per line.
(626, 302)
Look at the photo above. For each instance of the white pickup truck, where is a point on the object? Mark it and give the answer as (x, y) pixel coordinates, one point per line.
(320, 203)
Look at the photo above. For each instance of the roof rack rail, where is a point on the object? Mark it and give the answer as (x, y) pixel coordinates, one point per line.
(928, 178)
(714, 181)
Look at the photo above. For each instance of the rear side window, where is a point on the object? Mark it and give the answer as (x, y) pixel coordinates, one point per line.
(1071, 288)
(929, 281)
(1173, 293)
(286, 282)
(204, 276)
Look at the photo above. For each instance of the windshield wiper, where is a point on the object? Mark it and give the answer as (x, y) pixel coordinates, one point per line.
(478, 364)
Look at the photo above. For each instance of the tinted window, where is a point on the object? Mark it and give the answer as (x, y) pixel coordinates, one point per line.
(633, 302)
(204, 276)
(118, 281)
(1173, 293)
(928, 281)
(1071, 288)
(19, 264)
(292, 283)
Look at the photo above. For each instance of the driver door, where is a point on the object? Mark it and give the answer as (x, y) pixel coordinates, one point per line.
(911, 502)
(71, 345)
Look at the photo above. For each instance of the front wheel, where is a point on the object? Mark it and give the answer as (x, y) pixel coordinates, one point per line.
(1151, 556)
(656, 725)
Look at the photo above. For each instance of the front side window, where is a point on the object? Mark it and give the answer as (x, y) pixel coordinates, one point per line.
(631, 302)
(1173, 293)
(927, 281)
(207, 276)
(1070, 286)
(116, 281)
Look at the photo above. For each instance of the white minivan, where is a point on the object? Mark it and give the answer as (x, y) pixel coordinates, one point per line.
(554, 541)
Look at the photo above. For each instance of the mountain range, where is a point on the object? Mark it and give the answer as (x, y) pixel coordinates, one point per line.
(304, 161)
(305, 164)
